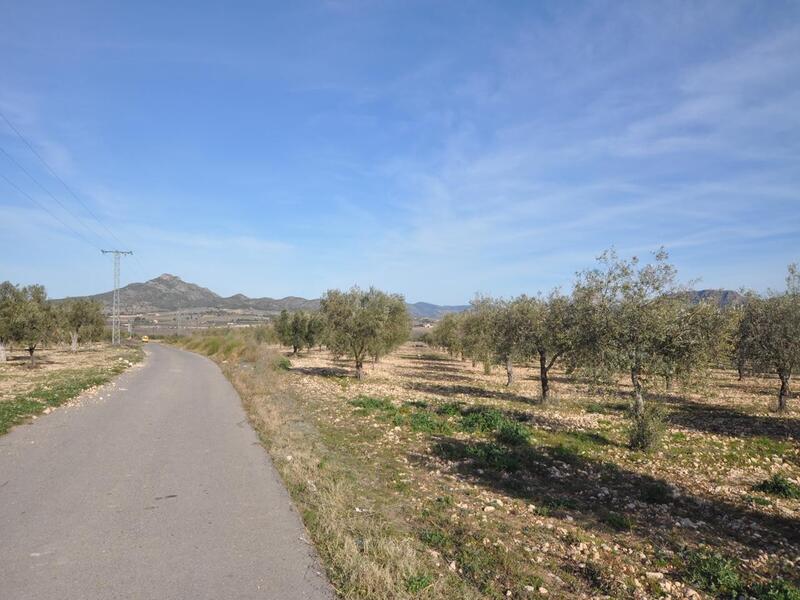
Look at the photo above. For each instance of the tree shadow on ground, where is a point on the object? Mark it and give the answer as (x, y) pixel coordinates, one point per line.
(599, 495)
(724, 420)
(417, 373)
(428, 356)
(323, 371)
(467, 390)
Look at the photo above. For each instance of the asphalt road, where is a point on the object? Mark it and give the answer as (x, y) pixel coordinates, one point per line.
(159, 490)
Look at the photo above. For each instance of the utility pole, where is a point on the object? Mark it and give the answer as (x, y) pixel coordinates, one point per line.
(115, 302)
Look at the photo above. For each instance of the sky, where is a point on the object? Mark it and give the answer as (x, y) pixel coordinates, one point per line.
(435, 149)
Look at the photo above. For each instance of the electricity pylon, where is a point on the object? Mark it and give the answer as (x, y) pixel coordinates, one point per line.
(115, 302)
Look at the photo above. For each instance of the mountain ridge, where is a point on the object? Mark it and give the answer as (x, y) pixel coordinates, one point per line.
(169, 292)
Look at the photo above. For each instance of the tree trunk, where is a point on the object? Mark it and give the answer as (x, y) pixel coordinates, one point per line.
(295, 349)
(3, 356)
(31, 350)
(359, 368)
(668, 382)
(73, 343)
(785, 394)
(487, 367)
(509, 371)
(638, 399)
(740, 369)
(543, 369)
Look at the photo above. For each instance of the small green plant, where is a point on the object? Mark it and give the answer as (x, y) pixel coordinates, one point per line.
(778, 485)
(483, 420)
(655, 492)
(513, 433)
(450, 409)
(417, 583)
(713, 573)
(428, 423)
(281, 363)
(619, 522)
(368, 403)
(493, 456)
(777, 589)
(646, 430)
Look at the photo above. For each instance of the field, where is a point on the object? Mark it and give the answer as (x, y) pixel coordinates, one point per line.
(58, 376)
(430, 479)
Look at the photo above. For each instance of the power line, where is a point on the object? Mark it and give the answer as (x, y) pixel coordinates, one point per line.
(49, 212)
(49, 193)
(56, 175)
(63, 183)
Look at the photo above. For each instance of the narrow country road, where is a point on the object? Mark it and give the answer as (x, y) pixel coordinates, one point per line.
(157, 490)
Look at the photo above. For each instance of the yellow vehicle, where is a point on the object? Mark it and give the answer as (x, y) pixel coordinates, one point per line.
(145, 338)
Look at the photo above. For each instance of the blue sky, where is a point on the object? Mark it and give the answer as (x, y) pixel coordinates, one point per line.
(430, 148)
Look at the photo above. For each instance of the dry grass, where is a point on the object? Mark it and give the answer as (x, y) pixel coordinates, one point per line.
(430, 479)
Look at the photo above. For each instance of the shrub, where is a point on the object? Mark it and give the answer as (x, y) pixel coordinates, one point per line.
(493, 456)
(281, 363)
(646, 429)
(778, 485)
(713, 573)
(513, 433)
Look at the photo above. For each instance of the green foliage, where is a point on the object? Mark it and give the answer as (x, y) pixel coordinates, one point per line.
(450, 409)
(768, 333)
(417, 583)
(513, 433)
(778, 485)
(299, 329)
(646, 429)
(428, 423)
(656, 492)
(369, 403)
(619, 522)
(83, 319)
(26, 317)
(713, 573)
(281, 363)
(777, 589)
(482, 420)
(364, 323)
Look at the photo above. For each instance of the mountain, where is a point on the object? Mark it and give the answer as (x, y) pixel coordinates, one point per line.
(722, 298)
(170, 293)
(426, 310)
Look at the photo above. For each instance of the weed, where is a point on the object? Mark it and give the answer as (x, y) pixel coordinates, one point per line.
(513, 433)
(778, 485)
(778, 589)
(713, 573)
(619, 522)
(450, 409)
(655, 492)
(281, 363)
(646, 430)
(368, 404)
(417, 583)
(483, 420)
(428, 423)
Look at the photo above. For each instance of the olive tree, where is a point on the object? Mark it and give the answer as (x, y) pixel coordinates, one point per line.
(447, 334)
(769, 335)
(364, 323)
(83, 319)
(625, 311)
(10, 297)
(477, 332)
(293, 329)
(32, 319)
(510, 327)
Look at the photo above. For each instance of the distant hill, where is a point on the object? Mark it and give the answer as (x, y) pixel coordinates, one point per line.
(169, 293)
(722, 298)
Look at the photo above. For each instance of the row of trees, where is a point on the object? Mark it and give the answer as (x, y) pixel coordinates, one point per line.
(28, 319)
(358, 323)
(627, 317)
